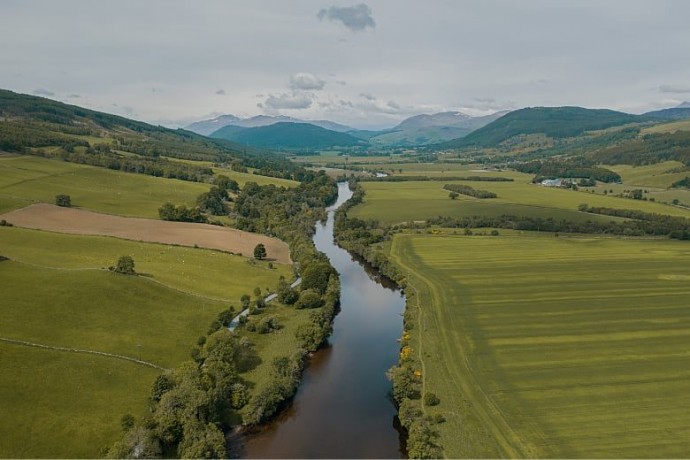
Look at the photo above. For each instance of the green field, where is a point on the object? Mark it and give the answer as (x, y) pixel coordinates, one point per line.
(65, 405)
(25, 180)
(553, 347)
(241, 178)
(657, 175)
(199, 271)
(56, 294)
(395, 202)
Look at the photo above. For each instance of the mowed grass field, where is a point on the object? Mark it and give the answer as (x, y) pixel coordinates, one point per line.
(395, 202)
(55, 293)
(559, 347)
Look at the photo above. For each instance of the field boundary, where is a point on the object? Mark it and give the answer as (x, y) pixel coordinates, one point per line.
(142, 276)
(82, 351)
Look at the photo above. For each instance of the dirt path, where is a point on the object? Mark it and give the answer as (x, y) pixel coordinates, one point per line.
(43, 216)
(79, 350)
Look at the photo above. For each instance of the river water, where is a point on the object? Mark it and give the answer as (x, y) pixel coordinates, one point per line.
(342, 408)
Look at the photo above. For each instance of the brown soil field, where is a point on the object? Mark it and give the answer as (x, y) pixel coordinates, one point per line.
(53, 218)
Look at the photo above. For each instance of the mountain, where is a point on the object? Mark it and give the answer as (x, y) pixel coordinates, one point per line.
(207, 127)
(288, 136)
(679, 112)
(430, 129)
(554, 122)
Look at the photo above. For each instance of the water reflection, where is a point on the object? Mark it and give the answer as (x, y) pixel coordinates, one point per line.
(343, 408)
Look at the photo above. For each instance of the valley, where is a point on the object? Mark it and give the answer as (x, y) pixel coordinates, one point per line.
(543, 268)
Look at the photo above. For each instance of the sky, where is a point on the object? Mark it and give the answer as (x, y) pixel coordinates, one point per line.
(367, 65)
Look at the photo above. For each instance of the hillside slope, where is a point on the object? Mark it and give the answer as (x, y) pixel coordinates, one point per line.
(554, 122)
(288, 136)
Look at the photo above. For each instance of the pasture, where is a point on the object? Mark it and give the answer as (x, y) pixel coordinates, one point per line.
(56, 293)
(553, 347)
(660, 175)
(25, 180)
(69, 220)
(395, 202)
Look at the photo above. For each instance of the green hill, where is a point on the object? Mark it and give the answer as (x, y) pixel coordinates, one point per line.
(36, 125)
(554, 122)
(288, 136)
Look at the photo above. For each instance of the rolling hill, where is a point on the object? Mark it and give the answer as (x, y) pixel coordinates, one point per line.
(680, 112)
(430, 129)
(554, 122)
(288, 136)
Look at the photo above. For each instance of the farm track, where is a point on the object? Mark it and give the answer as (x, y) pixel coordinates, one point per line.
(79, 350)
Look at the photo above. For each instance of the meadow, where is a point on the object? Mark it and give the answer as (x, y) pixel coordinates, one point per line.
(552, 347)
(395, 202)
(25, 180)
(57, 293)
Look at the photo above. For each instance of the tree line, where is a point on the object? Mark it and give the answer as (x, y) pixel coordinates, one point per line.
(469, 191)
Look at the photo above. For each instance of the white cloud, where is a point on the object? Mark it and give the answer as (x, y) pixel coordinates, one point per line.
(293, 101)
(306, 81)
(675, 89)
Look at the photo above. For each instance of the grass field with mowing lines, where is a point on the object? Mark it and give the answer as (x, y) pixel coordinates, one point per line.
(25, 179)
(560, 347)
(394, 202)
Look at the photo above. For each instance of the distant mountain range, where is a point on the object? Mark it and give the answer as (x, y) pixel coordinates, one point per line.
(679, 112)
(292, 134)
(431, 129)
(446, 130)
(288, 136)
(207, 127)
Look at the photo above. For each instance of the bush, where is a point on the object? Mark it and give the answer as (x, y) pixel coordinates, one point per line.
(63, 200)
(125, 266)
(309, 299)
(430, 399)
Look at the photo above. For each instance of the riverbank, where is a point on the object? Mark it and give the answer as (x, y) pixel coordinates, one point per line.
(347, 378)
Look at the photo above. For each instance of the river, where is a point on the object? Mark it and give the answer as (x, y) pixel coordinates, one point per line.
(342, 408)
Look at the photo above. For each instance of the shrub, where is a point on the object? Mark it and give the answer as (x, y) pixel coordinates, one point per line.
(309, 299)
(430, 399)
(125, 266)
(63, 200)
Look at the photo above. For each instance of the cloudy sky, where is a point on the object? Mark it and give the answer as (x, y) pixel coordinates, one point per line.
(365, 64)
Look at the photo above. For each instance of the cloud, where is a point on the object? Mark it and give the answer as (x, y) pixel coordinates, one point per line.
(367, 96)
(355, 18)
(73, 96)
(306, 81)
(43, 92)
(294, 100)
(676, 89)
(220, 92)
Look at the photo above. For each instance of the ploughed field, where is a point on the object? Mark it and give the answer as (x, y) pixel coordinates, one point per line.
(553, 347)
